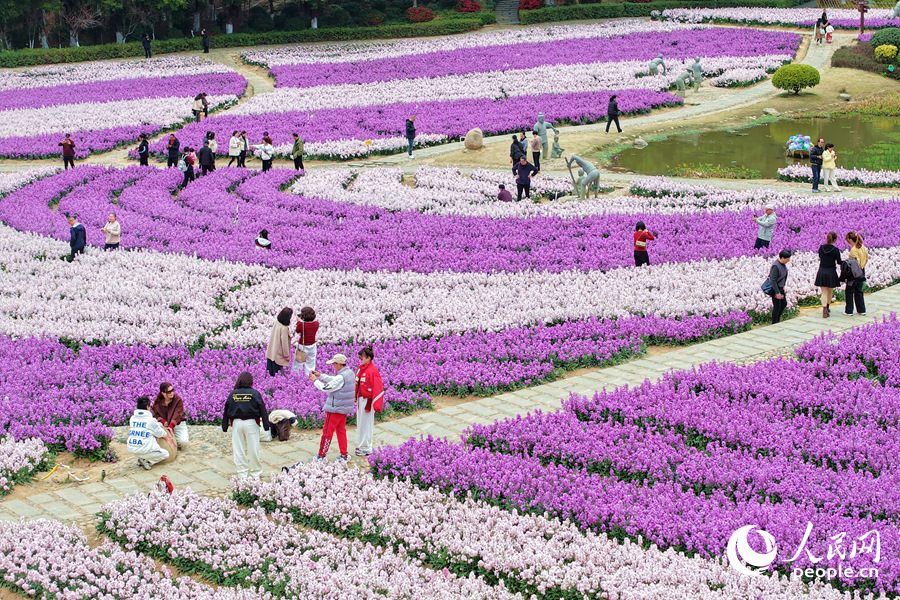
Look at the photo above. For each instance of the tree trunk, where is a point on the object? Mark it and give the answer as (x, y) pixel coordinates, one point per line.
(44, 43)
(197, 21)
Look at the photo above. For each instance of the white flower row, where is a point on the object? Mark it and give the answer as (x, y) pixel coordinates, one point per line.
(108, 71)
(531, 548)
(344, 149)
(19, 457)
(859, 177)
(12, 181)
(738, 77)
(593, 77)
(335, 53)
(439, 191)
(100, 115)
(767, 16)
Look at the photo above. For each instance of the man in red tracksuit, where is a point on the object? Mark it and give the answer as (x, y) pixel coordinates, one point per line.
(369, 399)
(341, 401)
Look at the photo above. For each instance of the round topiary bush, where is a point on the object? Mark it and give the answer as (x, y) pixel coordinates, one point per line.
(889, 36)
(795, 77)
(886, 53)
(419, 14)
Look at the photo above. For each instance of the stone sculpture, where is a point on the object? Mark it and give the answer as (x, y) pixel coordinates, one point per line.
(557, 149)
(696, 73)
(897, 10)
(541, 129)
(590, 178)
(682, 80)
(656, 63)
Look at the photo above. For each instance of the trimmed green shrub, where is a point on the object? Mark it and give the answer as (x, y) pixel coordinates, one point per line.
(795, 77)
(887, 36)
(28, 57)
(886, 53)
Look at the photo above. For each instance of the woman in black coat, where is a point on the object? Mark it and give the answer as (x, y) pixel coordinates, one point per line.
(827, 276)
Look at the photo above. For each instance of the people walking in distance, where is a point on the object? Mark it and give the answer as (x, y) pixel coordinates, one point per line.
(536, 146)
(369, 400)
(204, 34)
(77, 237)
(778, 275)
(145, 42)
(186, 165)
(143, 431)
(168, 409)
(515, 153)
(205, 156)
(113, 231)
(213, 147)
(278, 352)
(524, 172)
(815, 161)
(245, 148)
(173, 148)
(245, 411)
(307, 327)
(144, 150)
(297, 152)
(341, 390)
(411, 133)
(612, 113)
(68, 151)
(266, 150)
(827, 275)
(766, 227)
(829, 160)
(641, 237)
(234, 149)
(856, 278)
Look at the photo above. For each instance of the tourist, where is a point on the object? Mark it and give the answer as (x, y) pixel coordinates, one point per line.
(778, 278)
(297, 152)
(245, 147)
(266, 150)
(515, 153)
(113, 231)
(205, 156)
(168, 409)
(411, 133)
(612, 113)
(504, 195)
(307, 327)
(278, 352)
(819, 31)
(854, 290)
(246, 411)
(205, 41)
(766, 227)
(262, 242)
(369, 398)
(827, 276)
(190, 159)
(144, 150)
(641, 237)
(143, 429)
(524, 172)
(829, 158)
(213, 147)
(200, 106)
(77, 237)
(815, 161)
(68, 151)
(145, 42)
(536, 146)
(173, 148)
(234, 148)
(341, 390)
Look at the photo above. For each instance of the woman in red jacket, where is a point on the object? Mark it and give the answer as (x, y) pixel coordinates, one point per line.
(168, 409)
(369, 399)
(641, 237)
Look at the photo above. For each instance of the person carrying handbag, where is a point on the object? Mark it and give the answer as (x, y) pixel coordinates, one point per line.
(369, 400)
(305, 356)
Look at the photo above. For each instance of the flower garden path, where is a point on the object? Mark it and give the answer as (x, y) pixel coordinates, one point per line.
(206, 464)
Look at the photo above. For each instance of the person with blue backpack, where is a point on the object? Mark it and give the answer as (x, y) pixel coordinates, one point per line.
(774, 285)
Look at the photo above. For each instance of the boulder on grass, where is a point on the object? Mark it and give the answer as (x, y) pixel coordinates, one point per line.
(474, 139)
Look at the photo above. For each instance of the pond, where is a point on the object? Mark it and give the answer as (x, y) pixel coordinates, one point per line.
(861, 142)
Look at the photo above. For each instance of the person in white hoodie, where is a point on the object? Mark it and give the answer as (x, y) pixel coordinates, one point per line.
(143, 429)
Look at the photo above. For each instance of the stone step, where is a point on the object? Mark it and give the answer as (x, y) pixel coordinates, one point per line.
(507, 12)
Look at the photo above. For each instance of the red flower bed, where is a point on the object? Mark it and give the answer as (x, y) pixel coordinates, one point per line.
(529, 4)
(468, 6)
(419, 14)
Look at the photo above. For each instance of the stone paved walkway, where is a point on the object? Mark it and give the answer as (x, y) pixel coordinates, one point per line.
(211, 470)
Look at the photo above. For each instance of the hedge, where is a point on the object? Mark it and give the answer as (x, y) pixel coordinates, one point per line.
(29, 57)
(580, 12)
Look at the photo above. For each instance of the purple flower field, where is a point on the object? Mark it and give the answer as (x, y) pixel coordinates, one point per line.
(675, 46)
(685, 462)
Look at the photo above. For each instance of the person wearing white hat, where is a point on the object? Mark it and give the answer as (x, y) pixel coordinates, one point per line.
(766, 227)
(341, 401)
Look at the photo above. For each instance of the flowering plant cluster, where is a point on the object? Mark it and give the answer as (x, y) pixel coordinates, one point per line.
(231, 546)
(468, 6)
(46, 559)
(103, 106)
(852, 177)
(20, 460)
(739, 77)
(419, 14)
(476, 538)
(839, 18)
(728, 445)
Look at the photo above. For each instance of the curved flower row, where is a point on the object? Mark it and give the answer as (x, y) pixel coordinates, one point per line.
(13, 180)
(739, 77)
(243, 547)
(846, 18)
(853, 177)
(46, 559)
(676, 46)
(468, 536)
(19, 460)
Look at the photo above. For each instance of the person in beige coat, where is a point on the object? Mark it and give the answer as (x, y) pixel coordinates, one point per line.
(113, 231)
(278, 353)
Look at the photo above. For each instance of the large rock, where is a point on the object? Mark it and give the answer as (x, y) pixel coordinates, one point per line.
(844, 97)
(640, 143)
(474, 139)
(770, 111)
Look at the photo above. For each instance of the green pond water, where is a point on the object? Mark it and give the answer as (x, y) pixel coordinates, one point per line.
(860, 142)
